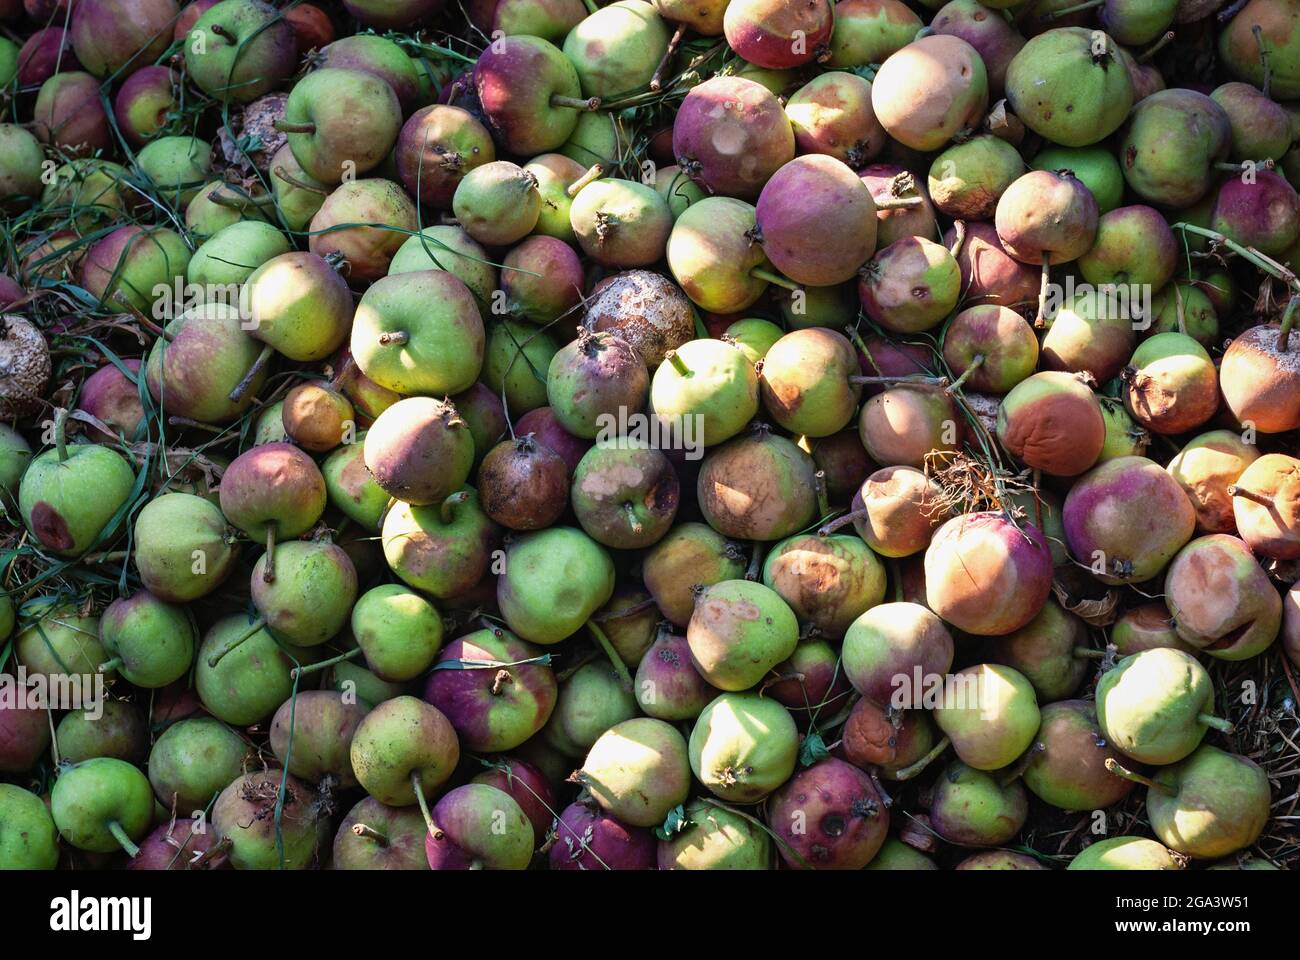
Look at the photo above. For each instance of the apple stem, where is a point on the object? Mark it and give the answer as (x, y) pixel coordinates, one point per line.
(398, 337)
(591, 5)
(370, 833)
(111, 556)
(240, 203)
(782, 678)
(288, 126)
(1088, 653)
(1228, 166)
(595, 173)
(885, 798)
(268, 572)
(1230, 11)
(1262, 499)
(223, 33)
(341, 375)
(61, 433)
(911, 771)
(575, 103)
(149, 325)
(959, 237)
(823, 497)
(1119, 770)
(826, 529)
(896, 203)
(1178, 309)
(122, 839)
(1040, 321)
(1156, 47)
(110, 665)
(852, 333)
(298, 672)
(455, 500)
(656, 81)
(1288, 318)
(194, 424)
(1218, 723)
(965, 375)
(759, 273)
(1249, 254)
(230, 647)
(259, 364)
(619, 666)
(755, 562)
(626, 612)
(678, 363)
(1263, 59)
(500, 680)
(911, 378)
(424, 806)
(1066, 11)
(293, 181)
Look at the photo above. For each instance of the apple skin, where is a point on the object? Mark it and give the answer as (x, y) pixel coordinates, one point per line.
(68, 114)
(114, 38)
(250, 52)
(341, 123)
(46, 52)
(392, 14)
(143, 102)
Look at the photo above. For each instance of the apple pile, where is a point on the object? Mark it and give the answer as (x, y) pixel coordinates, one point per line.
(737, 434)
